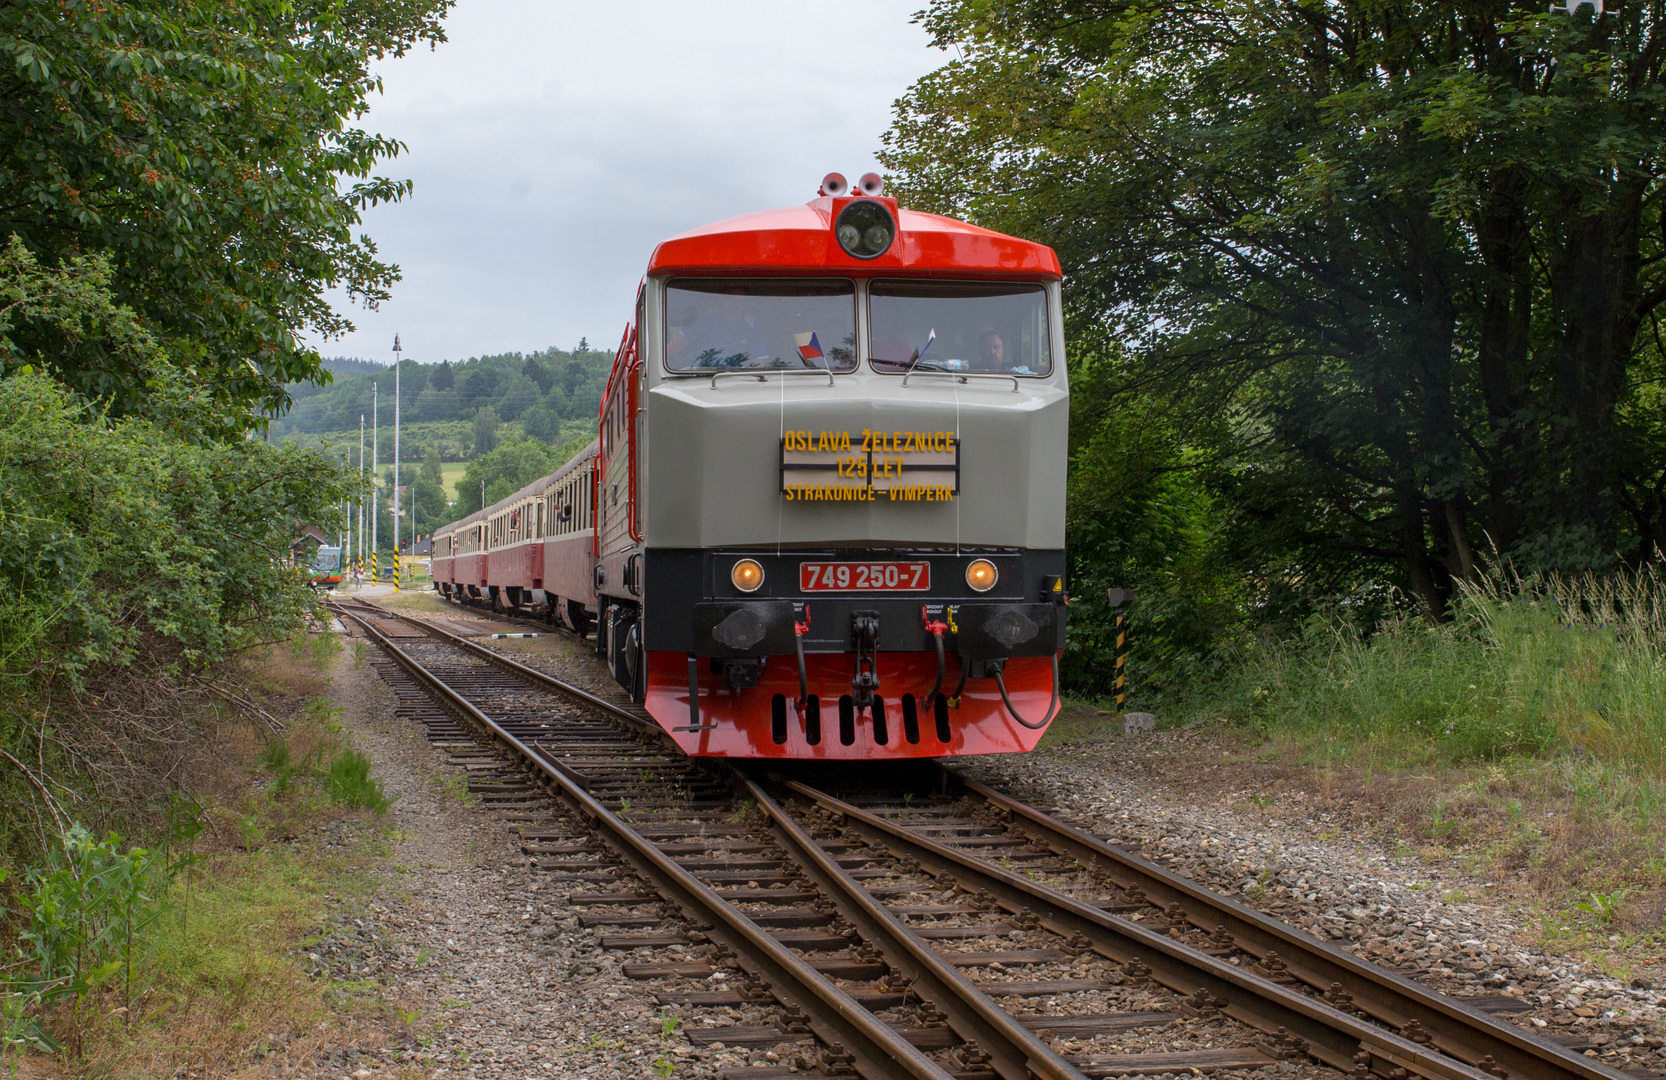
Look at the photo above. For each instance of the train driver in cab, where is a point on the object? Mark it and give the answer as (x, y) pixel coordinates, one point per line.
(992, 354)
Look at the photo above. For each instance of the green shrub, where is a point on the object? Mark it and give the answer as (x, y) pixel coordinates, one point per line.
(1525, 667)
(82, 913)
(352, 785)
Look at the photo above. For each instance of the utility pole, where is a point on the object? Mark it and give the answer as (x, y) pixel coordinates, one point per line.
(375, 484)
(397, 506)
(361, 499)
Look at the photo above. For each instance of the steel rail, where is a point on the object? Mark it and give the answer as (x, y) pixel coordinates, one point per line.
(1458, 1029)
(878, 1052)
(531, 673)
(1454, 1028)
(1335, 1037)
(1016, 1052)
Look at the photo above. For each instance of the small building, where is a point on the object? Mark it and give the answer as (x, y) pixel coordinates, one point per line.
(308, 540)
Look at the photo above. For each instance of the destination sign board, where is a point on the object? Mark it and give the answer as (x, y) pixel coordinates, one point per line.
(843, 466)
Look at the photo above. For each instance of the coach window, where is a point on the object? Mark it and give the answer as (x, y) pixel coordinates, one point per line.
(717, 324)
(980, 328)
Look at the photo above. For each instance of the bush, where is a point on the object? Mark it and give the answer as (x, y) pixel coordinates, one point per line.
(1525, 667)
(136, 557)
(82, 913)
(352, 785)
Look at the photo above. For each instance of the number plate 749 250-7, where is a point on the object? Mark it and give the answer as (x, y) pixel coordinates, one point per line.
(863, 576)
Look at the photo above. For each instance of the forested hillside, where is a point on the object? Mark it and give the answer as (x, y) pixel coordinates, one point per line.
(539, 391)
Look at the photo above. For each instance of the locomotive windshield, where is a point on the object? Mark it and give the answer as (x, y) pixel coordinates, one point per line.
(717, 324)
(995, 328)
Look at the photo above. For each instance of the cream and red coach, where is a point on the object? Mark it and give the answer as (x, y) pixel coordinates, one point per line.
(829, 488)
(534, 550)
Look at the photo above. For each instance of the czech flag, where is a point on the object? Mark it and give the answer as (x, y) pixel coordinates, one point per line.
(808, 347)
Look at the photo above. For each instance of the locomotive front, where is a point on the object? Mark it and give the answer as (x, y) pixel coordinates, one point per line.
(832, 486)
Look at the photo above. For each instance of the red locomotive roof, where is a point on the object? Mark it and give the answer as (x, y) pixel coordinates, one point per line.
(801, 238)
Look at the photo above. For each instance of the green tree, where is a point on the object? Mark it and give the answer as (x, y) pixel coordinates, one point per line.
(504, 471)
(1393, 272)
(541, 423)
(431, 470)
(428, 508)
(210, 151)
(574, 391)
(485, 430)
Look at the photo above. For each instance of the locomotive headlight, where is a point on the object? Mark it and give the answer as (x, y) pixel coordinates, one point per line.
(865, 229)
(980, 575)
(748, 575)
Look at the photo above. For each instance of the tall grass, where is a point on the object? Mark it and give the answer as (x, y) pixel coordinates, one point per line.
(352, 785)
(1527, 666)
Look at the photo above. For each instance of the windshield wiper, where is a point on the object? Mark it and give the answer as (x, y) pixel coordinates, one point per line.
(914, 365)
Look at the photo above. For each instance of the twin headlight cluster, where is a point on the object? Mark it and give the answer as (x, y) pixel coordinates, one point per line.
(864, 228)
(747, 575)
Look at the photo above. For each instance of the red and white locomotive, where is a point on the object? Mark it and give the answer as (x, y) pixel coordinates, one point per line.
(824, 514)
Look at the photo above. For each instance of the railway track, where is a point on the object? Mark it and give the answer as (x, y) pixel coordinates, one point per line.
(913, 922)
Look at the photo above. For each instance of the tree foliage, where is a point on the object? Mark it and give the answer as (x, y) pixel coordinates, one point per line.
(135, 554)
(1390, 273)
(112, 528)
(201, 147)
(503, 472)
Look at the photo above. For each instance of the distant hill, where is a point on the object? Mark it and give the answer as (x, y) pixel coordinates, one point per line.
(540, 392)
(352, 365)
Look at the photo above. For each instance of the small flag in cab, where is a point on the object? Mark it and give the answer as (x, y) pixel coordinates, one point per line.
(809, 348)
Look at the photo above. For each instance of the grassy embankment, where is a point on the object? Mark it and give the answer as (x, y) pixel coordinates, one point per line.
(291, 825)
(451, 473)
(1524, 742)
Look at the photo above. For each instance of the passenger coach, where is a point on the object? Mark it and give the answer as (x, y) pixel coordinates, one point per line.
(827, 507)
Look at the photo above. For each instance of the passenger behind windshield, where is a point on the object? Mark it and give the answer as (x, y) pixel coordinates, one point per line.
(718, 324)
(995, 328)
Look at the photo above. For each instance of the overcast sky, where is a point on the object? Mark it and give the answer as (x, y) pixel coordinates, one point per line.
(554, 143)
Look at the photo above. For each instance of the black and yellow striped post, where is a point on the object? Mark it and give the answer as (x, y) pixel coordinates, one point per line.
(1120, 599)
(375, 568)
(396, 561)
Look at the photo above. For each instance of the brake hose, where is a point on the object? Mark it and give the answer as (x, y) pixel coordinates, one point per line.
(1002, 684)
(936, 628)
(799, 630)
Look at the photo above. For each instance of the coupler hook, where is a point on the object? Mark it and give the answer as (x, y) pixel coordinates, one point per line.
(864, 627)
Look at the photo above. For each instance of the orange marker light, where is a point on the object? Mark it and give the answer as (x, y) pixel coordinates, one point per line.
(748, 575)
(980, 575)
